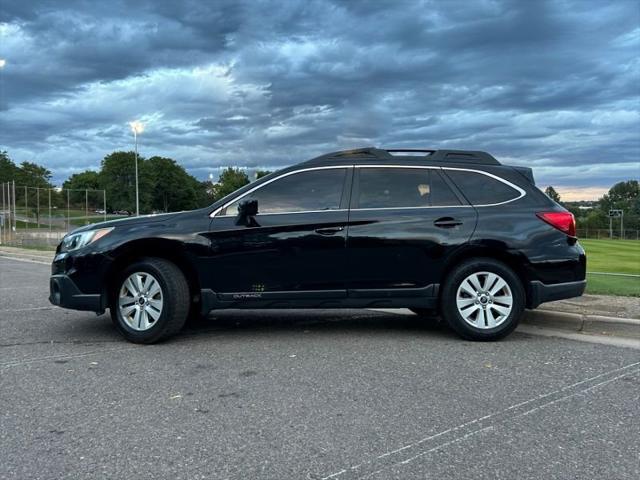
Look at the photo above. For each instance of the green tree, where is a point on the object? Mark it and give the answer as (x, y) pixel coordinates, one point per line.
(173, 188)
(262, 173)
(117, 177)
(88, 179)
(33, 175)
(206, 190)
(8, 169)
(552, 194)
(27, 174)
(594, 219)
(230, 180)
(624, 196)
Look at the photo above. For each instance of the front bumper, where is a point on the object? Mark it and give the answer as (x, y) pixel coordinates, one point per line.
(63, 292)
(540, 292)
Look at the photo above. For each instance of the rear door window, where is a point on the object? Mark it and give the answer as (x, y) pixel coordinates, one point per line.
(381, 187)
(480, 189)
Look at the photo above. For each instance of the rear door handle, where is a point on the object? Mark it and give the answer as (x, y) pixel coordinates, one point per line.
(329, 231)
(447, 222)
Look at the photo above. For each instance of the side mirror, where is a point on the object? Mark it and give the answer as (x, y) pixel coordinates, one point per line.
(247, 209)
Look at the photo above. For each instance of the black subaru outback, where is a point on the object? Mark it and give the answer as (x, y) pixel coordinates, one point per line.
(436, 231)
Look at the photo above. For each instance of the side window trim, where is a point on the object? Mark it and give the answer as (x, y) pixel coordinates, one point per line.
(287, 174)
(521, 192)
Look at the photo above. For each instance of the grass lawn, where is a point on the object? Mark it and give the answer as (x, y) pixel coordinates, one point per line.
(58, 225)
(611, 285)
(614, 256)
(618, 256)
(20, 225)
(78, 222)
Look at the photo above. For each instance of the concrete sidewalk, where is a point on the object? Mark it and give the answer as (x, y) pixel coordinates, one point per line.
(45, 256)
(600, 305)
(590, 315)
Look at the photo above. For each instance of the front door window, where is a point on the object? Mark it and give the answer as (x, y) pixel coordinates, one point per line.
(306, 191)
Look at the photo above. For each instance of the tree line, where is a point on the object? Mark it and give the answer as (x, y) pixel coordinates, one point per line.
(164, 185)
(595, 214)
(26, 173)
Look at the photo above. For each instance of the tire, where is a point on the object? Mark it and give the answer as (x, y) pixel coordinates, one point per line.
(158, 291)
(491, 314)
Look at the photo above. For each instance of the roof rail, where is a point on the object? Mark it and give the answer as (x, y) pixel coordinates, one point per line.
(368, 152)
(457, 156)
(362, 152)
(464, 156)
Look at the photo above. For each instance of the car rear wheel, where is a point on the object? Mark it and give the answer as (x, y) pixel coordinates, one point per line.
(482, 299)
(150, 301)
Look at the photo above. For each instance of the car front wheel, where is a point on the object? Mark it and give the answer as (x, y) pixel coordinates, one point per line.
(150, 301)
(482, 299)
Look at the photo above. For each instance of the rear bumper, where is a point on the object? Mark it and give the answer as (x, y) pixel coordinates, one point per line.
(540, 292)
(63, 292)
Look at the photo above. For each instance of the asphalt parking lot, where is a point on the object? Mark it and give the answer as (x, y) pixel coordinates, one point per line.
(303, 395)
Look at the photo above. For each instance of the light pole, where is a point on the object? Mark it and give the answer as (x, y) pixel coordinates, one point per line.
(3, 62)
(137, 127)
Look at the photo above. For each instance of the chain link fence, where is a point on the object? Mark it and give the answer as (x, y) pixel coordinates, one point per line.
(607, 234)
(32, 216)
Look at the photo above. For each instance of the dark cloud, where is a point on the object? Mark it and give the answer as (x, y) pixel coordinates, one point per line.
(553, 84)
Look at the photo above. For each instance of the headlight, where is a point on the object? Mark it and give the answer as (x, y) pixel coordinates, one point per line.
(79, 240)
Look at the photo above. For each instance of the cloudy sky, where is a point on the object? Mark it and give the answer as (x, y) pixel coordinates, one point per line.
(550, 84)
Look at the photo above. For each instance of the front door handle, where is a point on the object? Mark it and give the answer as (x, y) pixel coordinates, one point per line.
(329, 231)
(447, 222)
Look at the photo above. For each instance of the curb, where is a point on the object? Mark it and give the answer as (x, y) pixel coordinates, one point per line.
(583, 323)
(44, 257)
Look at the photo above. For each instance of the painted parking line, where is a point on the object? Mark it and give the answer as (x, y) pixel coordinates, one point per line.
(408, 453)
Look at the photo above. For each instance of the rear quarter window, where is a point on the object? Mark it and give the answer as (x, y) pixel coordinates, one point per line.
(480, 189)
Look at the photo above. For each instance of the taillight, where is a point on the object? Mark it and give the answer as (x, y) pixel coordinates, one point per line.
(563, 221)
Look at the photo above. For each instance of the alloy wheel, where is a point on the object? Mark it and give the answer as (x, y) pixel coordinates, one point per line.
(140, 301)
(484, 300)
